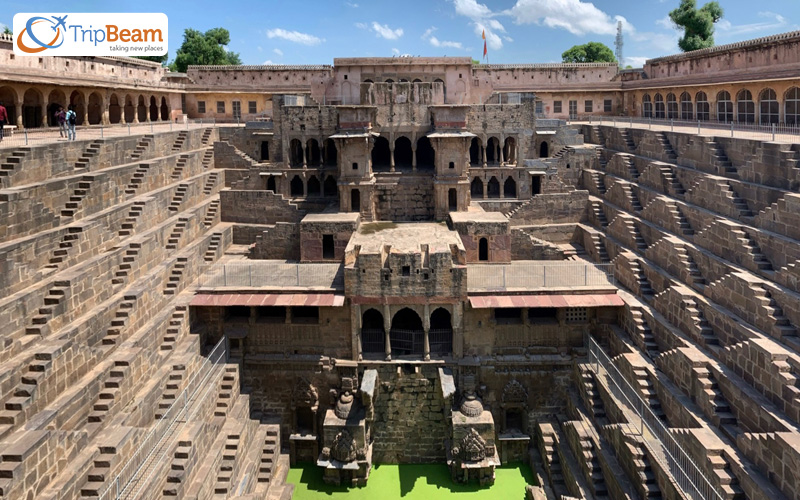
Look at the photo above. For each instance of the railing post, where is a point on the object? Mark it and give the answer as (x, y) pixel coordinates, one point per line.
(649, 123)
(731, 129)
(129, 129)
(101, 130)
(773, 131)
(631, 121)
(26, 136)
(297, 273)
(544, 276)
(672, 124)
(250, 275)
(151, 127)
(698, 127)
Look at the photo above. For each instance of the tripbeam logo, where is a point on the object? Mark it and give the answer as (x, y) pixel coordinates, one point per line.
(92, 34)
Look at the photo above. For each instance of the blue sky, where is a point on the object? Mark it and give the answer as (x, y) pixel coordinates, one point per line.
(518, 31)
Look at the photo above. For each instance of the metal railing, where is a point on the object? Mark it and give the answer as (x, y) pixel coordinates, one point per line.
(273, 274)
(519, 275)
(770, 131)
(690, 478)
(13, 138)
(139, 468)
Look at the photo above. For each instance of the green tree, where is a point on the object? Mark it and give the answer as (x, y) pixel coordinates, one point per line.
(697, 24)
(588, 53)
(7, 30)
(475, 62)
(204, 48)
(158, 59)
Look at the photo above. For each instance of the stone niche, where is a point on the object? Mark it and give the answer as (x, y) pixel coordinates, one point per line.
(346, 456)
(485, 235)
(471, 450)
(324, 237)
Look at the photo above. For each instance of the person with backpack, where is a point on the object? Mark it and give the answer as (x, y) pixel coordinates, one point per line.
(61, 119)
(72, 119)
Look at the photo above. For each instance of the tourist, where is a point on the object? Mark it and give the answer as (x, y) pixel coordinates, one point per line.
(3, 119)
(61, 119)
(72, 119)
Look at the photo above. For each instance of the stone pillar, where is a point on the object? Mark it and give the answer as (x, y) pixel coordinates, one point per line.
(19, 105)
(105, 119)
(500, 147)
(485, 189)
(483, 157)
(305, 154)
(458, 328)
(135, 111)
(44, 115)
(426, 326)
(391, 156)
(387, 327)
(355, 320)
(502, 188)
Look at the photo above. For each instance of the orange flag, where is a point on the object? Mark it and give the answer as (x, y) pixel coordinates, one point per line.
(483, 35)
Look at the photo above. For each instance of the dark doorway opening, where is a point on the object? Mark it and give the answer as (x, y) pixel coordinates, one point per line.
(355, 201)
(327, 246)
(536, 185)
(271, 184)
(330, 186)
(483, 249)
(544, 150)
(452, 200)
(493, 188)
(264, 150)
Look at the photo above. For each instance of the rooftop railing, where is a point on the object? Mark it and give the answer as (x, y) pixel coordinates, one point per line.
(266, 274)
(527, 276)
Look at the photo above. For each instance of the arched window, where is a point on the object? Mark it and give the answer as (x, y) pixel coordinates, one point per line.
(296, 186)
(313, 156)
(724, 107)
(295, 153)
(475, 152)
(329, 186)
(373, 335)
(381, 155)
(426, 156)
(769, 109)
(314, 187)
(703, 108)
(659, 101)
(483, 249)
(510, 188)
(493, 188)
(476, 188)
(647, 106)
(544, 150)
(687, 113)
(441, 332)
(493, 150)
(329, 152)
(403, 154)
(672, 106)
(510, 151)
(271, 184)
(745, 107)
(792, 109)
(406, 336)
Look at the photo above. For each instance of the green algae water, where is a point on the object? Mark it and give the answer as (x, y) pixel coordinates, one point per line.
(411, 482)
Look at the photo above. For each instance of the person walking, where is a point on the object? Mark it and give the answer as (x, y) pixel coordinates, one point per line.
(61, 119)
(3, 119)
(72, 119)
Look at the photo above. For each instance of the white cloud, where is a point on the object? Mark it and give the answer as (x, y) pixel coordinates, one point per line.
(396, 52)
(384, 31)
(362, 26)
(351, 4)
(636, 61)
(268, 62)
(428, 36)
(294, 36)
(278, 52)
(259, 48)
(774, 22)
(575, 16)
(483, 20)
(665, 22)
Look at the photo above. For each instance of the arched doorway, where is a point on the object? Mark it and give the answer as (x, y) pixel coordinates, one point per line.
(493, 188)
(406, 336)
(114, 109)
(314, 187)
(373, 335)
(444, 87)
(164, 109)
(55, 100)
(313, 156)
(32, 109)
(329, 152)
(544, 150)
(141, 110)
(510, 151)
(493, 150)
(452, 200)
(153, 109)
(9, 99)
(329, 186)
(95, 109)
(355, 200)
(381, 155)
(475, 152)
(296, 186)
(440, 336)
(129, 109)
(264, 150)
(476, 188)
(483, 249)
(295, 153)
(426, 156)
(510, 188)
(271, 184)
(403, 155)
